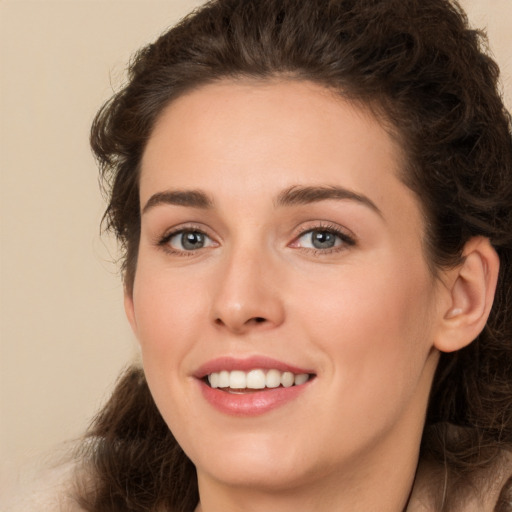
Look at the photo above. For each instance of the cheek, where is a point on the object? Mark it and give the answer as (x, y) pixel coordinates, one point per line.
(167, 310)
(374, 325)
(169, 314)
(376, 348)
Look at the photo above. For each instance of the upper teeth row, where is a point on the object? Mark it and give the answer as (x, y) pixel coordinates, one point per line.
(255, 379)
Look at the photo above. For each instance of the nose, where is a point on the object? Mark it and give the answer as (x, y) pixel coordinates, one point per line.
(248, 293)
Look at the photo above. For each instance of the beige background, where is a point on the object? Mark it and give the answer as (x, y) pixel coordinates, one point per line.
(63, 334)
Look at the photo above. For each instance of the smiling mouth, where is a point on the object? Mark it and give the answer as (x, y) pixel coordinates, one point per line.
(238, 381)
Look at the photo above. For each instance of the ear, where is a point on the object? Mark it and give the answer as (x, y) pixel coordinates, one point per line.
(470, 289)
(129, 309)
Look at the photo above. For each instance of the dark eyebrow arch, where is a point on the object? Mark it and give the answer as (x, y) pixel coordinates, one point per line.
(299, 195)
(190, 198)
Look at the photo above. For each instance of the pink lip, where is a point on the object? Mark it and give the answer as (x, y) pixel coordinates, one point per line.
(251, 403)
(245, 365)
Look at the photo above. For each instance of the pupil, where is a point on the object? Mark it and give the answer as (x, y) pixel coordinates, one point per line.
(192, 240)
(323, 239)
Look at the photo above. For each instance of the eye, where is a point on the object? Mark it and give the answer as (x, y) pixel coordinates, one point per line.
(323, 239)
(188, 240)
(319, 239)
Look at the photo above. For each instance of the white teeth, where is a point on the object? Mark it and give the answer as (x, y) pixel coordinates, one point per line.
(273, 379)
(256, 379)
(301, 378)
(214, 380)
(287, 379)
(223, 379)
(237, 380)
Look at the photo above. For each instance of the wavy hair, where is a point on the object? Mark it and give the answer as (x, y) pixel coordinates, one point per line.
(427, 76)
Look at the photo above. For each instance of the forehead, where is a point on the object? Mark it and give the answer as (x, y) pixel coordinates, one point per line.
(267, 128)
(245, 142)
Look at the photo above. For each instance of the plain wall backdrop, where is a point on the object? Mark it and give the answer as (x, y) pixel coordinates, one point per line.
(63, 334)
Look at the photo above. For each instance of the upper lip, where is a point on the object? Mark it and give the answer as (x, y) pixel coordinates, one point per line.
(246, 364)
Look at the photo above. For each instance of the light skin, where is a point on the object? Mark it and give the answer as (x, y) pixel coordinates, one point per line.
(364, 315)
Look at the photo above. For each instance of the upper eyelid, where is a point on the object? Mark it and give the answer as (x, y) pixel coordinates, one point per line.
(180, 228)
(163, 241)
(347, 237)
(172, 235)
(326, 226)
(300, 230)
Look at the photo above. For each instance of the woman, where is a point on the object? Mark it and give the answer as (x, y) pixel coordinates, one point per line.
(314, 199)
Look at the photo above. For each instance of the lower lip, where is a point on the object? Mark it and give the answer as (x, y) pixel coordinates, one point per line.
(253, 403)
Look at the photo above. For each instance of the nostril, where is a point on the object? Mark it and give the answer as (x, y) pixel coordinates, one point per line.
(236, 325)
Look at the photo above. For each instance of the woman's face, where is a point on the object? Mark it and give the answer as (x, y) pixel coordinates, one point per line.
(276, 237)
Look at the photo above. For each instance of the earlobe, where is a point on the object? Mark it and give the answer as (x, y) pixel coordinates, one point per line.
(471, 293)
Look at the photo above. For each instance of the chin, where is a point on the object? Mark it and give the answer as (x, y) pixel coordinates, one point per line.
(268, 475)
(264, 462)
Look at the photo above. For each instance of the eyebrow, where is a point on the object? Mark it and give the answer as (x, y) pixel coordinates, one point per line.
(299, 195)
(190, 198)
(292, 196)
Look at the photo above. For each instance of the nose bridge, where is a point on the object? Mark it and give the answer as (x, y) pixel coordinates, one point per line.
(246, 294)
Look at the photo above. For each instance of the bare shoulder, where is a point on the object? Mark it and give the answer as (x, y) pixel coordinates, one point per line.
(50, 490)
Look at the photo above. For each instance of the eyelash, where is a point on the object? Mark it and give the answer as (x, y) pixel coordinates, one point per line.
(164, 241)
(346, 240)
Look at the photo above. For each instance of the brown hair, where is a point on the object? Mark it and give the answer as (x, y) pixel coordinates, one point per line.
(420, 67)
